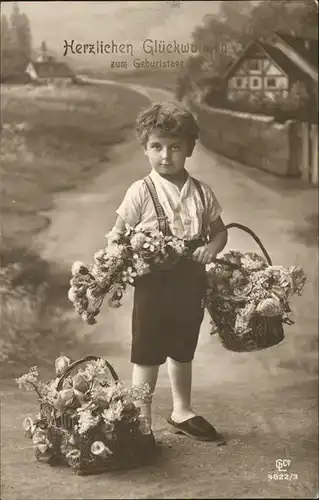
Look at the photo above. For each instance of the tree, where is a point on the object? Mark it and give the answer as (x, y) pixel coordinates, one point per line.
(7, 49)
(21, 36)
(6, 40)
(217, 44)
(222, 37)
(236, 15)
(15, 23)
(297, 17)
(25, 38)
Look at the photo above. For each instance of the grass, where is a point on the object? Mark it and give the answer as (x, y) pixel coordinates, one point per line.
(52, 140)
(165, 79)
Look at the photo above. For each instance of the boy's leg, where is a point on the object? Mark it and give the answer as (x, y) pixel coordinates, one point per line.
(145, 374)
(180, 375)
(183, 417)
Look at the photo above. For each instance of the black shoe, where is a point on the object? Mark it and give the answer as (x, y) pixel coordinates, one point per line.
(197, 428)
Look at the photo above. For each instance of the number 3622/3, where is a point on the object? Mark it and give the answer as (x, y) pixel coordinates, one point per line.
(282, 477)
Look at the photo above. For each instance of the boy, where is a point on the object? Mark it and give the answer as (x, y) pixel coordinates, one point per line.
(167, 311)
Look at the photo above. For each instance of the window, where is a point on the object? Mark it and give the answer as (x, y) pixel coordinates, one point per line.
(271, 82)
(239, 82)
(254, 64)
(255, 82)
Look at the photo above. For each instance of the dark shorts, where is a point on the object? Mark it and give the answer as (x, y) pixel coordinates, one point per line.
(167, 314)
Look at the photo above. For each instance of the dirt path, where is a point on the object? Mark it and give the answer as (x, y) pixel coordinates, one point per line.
(265, 403)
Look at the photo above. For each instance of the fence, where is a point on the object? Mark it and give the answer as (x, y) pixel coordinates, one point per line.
(287, 149)
(309, 152)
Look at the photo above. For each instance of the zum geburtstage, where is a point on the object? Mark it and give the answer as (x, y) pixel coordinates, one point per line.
(150, 63)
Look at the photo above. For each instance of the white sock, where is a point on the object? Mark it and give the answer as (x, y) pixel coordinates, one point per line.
(146, 411)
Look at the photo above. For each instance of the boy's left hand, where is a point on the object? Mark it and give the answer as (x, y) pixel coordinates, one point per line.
(204, 254)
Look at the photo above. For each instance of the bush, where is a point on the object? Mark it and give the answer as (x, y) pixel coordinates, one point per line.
(298, 105)
(32, 324)
(52, 139)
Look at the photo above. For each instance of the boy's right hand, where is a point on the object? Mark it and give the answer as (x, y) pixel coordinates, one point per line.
(203, 255)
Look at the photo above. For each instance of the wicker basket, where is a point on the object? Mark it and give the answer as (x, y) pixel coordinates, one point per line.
(129, 445)
(263, 331)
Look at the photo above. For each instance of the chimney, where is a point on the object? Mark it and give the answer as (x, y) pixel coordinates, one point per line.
(43, 56)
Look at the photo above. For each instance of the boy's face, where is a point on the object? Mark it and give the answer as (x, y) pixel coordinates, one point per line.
(167, 154)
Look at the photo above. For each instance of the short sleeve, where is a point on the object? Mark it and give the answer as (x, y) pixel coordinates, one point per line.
(131, 207)
(213, 207)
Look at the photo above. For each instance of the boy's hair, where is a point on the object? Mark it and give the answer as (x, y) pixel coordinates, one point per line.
(169, 119)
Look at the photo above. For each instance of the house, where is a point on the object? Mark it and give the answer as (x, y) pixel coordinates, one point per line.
(50, 71)
(268, 70)
(302, 51)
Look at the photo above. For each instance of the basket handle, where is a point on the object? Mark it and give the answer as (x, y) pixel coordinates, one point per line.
(83, 360)
(254, 236)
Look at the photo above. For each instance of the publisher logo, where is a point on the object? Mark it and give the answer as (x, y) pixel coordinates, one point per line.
(283, 471)
(282, 464)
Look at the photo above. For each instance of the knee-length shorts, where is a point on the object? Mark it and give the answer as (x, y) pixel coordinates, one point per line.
(167, 314)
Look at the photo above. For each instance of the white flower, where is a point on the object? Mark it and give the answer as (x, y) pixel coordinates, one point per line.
(77, 267)
(28, 426)
(128, 275)
(99, 256)
(40, 437)
(270, 307)
(86, 420)
(28, 380)
(61, 365)
(42, 447)
(99, 449)
(149, 246)
(114, 412)
(114, 251)
(137, 241)
(72, 294)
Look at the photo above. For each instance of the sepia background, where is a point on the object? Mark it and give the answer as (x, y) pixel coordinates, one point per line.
(68, 154)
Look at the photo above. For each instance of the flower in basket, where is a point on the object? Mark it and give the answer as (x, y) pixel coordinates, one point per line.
(118, 265)
(43, 447)
(29, 427)
(236, 296)
(99, 449)
(73, 458)
(65, 399)
(129, 275)
(61, 365)
(86, 420)
(270, 307)
(80, 430)
(137, 241)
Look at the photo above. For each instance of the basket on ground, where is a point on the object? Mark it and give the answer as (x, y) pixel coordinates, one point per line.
(88, 420)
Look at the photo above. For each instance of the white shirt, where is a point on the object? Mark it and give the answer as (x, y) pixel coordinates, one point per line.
(183, 208)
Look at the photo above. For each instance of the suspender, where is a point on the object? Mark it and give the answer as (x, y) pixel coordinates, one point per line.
(160, 214)
(198, 185)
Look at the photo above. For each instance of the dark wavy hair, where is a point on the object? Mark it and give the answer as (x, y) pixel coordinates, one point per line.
(169, 119)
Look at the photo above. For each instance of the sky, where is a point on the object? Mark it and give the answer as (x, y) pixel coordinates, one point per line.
(122, 21)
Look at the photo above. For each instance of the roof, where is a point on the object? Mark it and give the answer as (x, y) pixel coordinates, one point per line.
(286, 64)
(305, 47)
(52, 69)
(258, 49)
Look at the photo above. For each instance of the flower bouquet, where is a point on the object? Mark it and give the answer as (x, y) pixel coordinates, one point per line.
(136, 252)
(248, 298)
(88, 420)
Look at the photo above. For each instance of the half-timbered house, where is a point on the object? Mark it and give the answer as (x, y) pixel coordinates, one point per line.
(265, 70)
